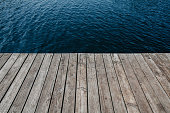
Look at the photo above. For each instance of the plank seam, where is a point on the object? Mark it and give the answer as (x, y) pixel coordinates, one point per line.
(97, 85)
(43, 83)
(13, 78)
(108, 83)
(87, 86)
(155, 75)
(149, 83)
(118, 82)
(6, 61)
(32, 84)
(54, 84)
(1, 55)
(11, 65)
(140, 84)
(22, 81)
(65, 85)
(129, 83)
(163, 62)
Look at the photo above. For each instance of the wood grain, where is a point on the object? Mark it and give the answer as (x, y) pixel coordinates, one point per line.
(69, 96)
(84, 83)
(23, 93)
(93, 95)
(34, 95)
(129, 98)
(81, 89)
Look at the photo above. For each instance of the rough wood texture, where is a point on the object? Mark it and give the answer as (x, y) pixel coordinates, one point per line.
(162, 96)
(118, 102)
(4, 58)
(23, 93)
(136, 89)
(147, 89)
(45, 97)
(33, 98)
(104, 90)
(1, 54)
(84, 83)
(130, 101)
(9, 77)
(158, 73)
(57, 97)
(12, 91)
(8, 65)
(81, 90)
(70, 88)
(93, 95)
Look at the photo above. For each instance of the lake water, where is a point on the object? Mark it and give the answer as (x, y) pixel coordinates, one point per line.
(84, 25)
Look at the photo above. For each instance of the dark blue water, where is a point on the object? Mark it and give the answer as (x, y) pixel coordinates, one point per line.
(84, 25)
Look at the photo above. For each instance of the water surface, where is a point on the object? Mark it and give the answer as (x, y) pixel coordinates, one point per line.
(84, 26)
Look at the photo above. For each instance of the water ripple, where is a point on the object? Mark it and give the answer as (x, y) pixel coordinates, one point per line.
(84, 26)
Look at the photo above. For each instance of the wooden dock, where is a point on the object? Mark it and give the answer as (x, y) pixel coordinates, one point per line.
(84, 83)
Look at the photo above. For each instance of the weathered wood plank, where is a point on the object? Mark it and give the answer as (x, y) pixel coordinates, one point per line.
(69, 97)
(149, 92)
(116, 83)
(158, 73)
(164, 59)
(168, 55)
(130, 101)
(161, 65)
(133, 81)
(8, 65)
(1, 54)
(105, 98)
(33, 98)
(118, 102)
(23, 93)
(93, 95)
(81, 89)
(9, 77)
(57, 97)
(10, 95)
(162, 96)
(4, 58)
(46, 94)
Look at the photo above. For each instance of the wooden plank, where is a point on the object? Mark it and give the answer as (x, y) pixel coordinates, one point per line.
(4, 58)
(163, 58)
(62, 87)
(93, 94)
(8, 65)
(125, 87)
(33, 98)
(10, 76)
(118, 102)
(81, 89)
(23, 93)
(149, 92)
(69, 97)
(161, 65)
(57, 97)
(133, 81)
(168, 55)
(162, 96)
(105, 97)
(1, 54)
(10, 95)
(46, 94)
(158, 73)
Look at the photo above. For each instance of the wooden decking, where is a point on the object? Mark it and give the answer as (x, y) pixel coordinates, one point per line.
(85, 83)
